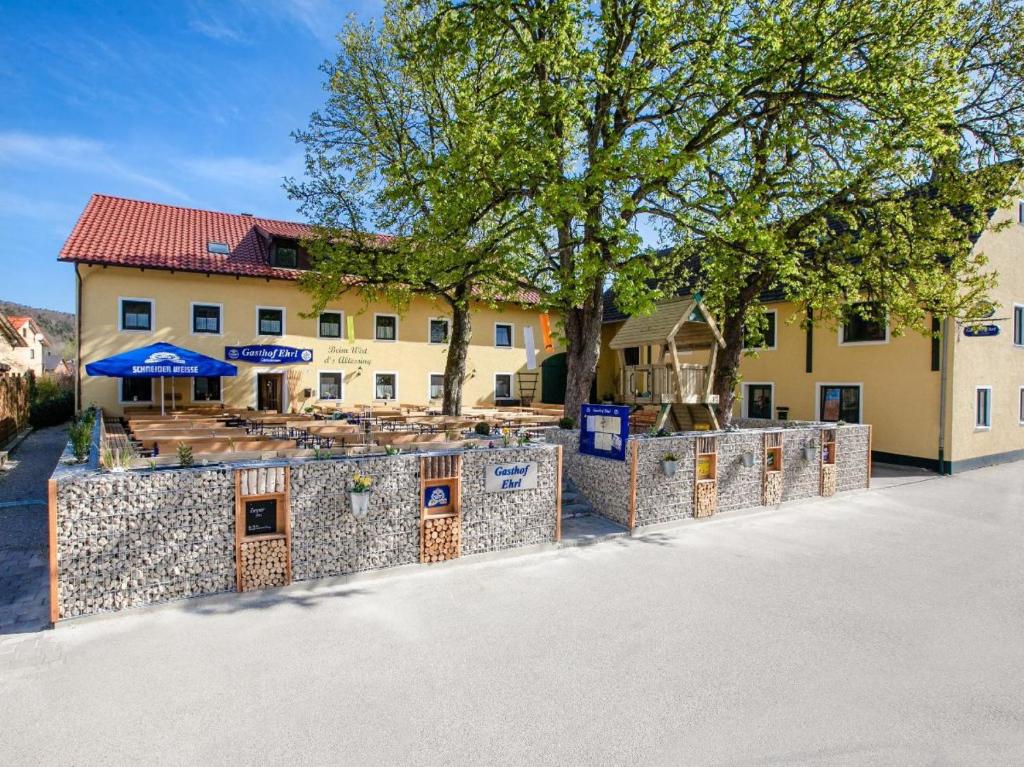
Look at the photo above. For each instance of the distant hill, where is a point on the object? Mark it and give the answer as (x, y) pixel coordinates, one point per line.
(58, 326)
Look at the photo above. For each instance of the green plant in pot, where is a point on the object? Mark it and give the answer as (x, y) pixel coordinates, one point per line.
(567, 422)
(483, 428)
(185, 457)
(669, 464)
(80, 436)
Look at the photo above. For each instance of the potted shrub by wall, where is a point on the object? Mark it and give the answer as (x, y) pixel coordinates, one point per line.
(670, 464)
(359, 495)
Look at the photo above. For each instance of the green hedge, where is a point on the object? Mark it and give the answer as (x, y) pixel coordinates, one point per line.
(52, 408)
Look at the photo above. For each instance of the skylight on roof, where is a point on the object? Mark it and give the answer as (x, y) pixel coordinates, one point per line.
(218, 247)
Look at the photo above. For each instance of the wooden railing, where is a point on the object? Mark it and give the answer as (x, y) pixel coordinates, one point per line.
(654, 384)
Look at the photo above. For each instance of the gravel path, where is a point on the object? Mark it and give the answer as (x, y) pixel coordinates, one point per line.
(24, 553)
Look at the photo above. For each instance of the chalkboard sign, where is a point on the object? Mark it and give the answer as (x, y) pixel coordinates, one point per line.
(261, 516)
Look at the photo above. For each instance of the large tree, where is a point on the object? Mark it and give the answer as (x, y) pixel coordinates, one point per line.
(862, 171)
(405, 145)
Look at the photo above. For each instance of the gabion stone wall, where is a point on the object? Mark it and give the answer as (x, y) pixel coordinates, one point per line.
(132, 539)
(137, 538)
(604, 482)
(496, 521)
(328, 540)
(661, 499)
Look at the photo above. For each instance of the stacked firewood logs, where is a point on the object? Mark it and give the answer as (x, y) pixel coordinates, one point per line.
(705, 499)
(441, 539)
(264, 564)
(828, 479)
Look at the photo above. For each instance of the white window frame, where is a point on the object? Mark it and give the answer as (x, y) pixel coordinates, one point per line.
(122, 401)
(385, 340)
(1020, 406)
(120, 315)
(284, 327)
(818, 386)
(1013, 323)
(511, 335)
(746, 400)
(319, 386)
(448, 322)
(194, 400)
(341, 326)
(775, 326)
(511, 386)
(888, 336)
(429, 376)
(192, 319)
(988, 415)
(385, 373)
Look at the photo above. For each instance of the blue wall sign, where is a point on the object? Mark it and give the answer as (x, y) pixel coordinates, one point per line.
(981, 331)
(266, 354)
(437, 497)
(604, 430)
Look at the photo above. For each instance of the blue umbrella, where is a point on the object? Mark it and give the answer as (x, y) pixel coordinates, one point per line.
(160, 360)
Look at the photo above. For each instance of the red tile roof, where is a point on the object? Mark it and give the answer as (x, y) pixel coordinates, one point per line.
(115, 231)
(20, 322)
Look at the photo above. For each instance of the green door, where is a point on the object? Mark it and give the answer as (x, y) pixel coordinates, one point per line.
(552, 387)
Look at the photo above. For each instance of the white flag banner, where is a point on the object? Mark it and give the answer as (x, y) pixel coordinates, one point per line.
(531, 352)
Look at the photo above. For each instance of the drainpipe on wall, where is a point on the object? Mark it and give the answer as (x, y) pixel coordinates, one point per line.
(943, 383)
(78, 340)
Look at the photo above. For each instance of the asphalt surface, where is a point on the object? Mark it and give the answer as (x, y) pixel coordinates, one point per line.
(24, 543)
(879, 627)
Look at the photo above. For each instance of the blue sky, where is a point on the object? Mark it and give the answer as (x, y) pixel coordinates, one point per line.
(187, 103)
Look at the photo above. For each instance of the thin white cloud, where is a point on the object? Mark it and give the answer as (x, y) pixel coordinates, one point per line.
(20, 206)
(243, 171)
(216, 30)
(75, 153)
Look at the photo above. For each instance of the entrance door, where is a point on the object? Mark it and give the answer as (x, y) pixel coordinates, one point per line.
(759, 400)
(268, 391)
(840, 403)
(552, 383)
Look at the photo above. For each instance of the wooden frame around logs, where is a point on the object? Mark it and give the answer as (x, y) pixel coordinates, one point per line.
(773, 468)
(828, 456)
(445, 522)
(705, 489)
(282, 524)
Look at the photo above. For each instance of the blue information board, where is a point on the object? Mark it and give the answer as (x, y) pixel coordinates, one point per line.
(604, 430)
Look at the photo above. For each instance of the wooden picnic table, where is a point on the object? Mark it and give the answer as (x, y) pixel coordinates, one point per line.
(221, 445)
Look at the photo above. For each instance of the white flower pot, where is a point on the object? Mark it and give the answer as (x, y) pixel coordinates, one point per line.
(360, 503)
(670, 468)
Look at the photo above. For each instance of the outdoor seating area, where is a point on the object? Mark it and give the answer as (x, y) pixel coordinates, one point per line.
(145, 435)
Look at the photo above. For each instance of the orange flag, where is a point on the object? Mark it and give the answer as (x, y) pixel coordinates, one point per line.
(545, 332)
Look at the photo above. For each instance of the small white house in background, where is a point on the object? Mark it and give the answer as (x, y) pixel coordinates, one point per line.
(11, 346)
(36, 354)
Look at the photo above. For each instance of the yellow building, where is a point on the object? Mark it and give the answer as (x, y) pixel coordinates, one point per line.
(949, 404)
(222, 284)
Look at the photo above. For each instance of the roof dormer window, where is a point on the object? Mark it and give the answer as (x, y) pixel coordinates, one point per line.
(220, 248)
(285, 256)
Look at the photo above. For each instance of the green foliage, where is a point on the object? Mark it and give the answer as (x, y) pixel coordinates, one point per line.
(482, 428)
(51, 404)
(185, 458)
(80, 436)
(567, 422)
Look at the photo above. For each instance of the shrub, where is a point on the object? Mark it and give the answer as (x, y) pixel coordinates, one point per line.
(567, 422)
(185, 455)
(483, 428)
(80, 434)
(672, 457)
(51, 406)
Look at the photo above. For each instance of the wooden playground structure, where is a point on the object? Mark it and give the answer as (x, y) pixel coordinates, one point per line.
(681, 390)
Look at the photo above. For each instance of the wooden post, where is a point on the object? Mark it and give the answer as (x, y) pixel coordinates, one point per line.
(871, 436)
(632, 485)
(239, 528)
(558, 495)
(287, 523)
(51, 500)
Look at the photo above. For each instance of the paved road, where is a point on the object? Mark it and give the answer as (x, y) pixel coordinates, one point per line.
(24, 544)
(881, 627)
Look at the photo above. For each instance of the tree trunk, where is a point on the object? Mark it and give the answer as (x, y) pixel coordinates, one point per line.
(455, 363)
(727, 366)
(582, 348)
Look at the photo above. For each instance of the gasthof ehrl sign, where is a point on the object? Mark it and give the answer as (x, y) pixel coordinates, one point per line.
(505, 477)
